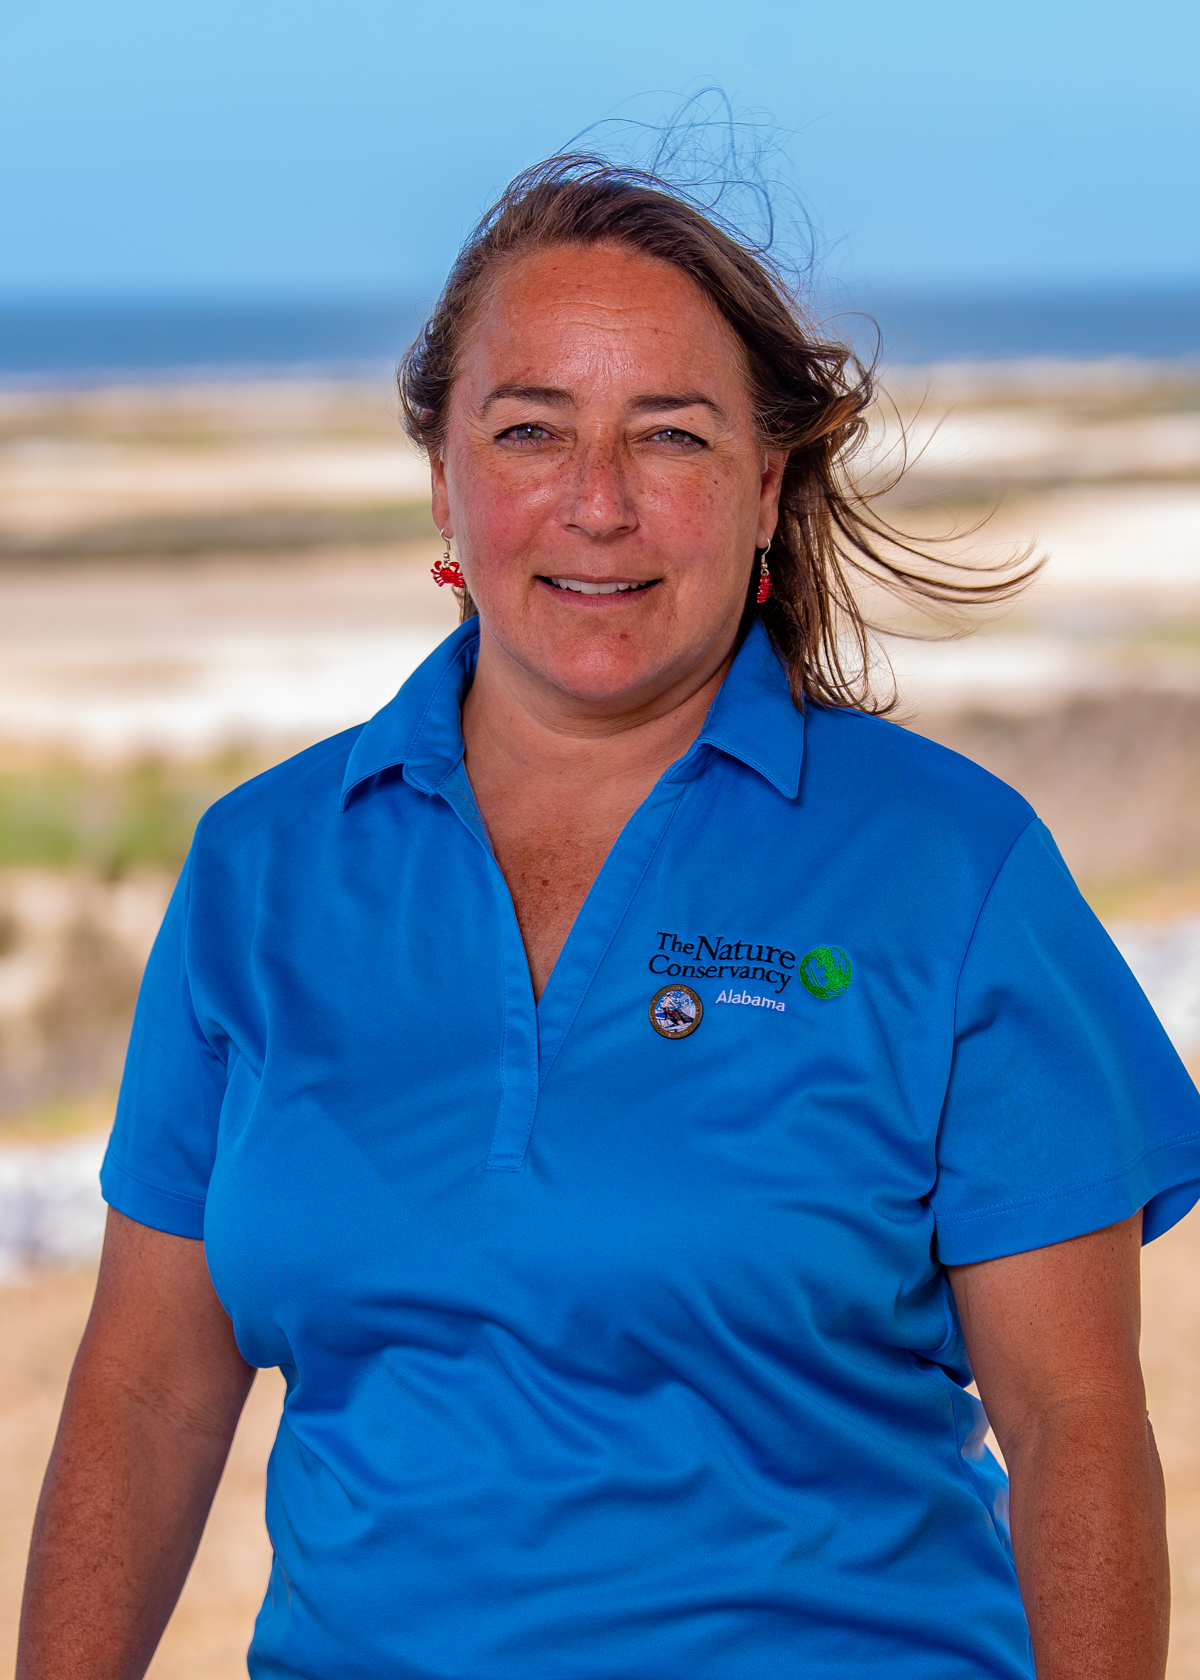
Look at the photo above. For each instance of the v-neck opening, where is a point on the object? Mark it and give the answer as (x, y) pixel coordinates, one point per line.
(534, 1029)
(600, 916)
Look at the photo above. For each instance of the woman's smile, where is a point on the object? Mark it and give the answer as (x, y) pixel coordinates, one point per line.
(600, 591)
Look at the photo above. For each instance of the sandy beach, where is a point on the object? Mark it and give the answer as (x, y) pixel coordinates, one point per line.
(179, 566)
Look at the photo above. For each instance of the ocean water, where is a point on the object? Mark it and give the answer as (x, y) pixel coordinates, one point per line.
(155, 339)
(1150, 326)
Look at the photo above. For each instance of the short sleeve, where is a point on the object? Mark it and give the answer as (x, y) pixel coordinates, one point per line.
(1067, 1108)
(164, 1138)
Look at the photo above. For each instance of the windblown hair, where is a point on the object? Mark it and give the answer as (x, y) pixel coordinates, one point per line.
(809, 393)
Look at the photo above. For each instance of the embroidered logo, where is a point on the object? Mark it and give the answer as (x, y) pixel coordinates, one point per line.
(676, 1011)
(713, 956)
(826, 972)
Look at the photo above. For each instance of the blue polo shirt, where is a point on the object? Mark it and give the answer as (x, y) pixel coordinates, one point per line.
(617, 1338)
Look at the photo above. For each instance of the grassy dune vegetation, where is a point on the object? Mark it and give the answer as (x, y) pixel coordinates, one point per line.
(62, 813)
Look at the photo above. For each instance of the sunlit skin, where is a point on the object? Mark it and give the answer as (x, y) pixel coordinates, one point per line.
(600, 432)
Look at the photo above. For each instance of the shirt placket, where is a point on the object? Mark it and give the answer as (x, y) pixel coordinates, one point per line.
(531, 1036)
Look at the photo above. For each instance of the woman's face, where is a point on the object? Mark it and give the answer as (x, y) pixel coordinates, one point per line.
(601, 475)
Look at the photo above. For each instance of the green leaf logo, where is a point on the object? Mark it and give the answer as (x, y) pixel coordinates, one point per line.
(826, 972)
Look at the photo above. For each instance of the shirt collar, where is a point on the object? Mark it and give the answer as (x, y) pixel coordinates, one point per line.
(753, 719)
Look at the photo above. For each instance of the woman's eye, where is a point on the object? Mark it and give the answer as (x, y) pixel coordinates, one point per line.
(679, 439)
(529, 433)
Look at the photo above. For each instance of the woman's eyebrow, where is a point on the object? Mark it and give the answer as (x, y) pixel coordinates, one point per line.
(528, 393)
(652, 402)
(659, 400)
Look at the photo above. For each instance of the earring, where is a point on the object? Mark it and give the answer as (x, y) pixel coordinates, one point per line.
(764, 577)
(447, 570)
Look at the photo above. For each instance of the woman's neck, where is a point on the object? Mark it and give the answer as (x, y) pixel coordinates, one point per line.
(557, 782)
(519, 728)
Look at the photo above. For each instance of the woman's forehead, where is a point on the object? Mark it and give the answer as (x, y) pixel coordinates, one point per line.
(580, 308)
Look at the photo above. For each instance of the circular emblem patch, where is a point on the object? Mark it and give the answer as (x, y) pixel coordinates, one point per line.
(826, 972)
(676, 1011)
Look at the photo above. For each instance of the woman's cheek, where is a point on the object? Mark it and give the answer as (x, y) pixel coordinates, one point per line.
(503, 516)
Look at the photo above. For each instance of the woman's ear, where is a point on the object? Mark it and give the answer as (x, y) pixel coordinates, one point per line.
(770, 486)
(439, 495)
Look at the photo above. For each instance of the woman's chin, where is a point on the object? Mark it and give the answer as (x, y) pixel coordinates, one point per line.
(615, 670)
(612, 687)
(608, 688)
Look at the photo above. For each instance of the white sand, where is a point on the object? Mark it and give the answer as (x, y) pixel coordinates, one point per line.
(111, 659)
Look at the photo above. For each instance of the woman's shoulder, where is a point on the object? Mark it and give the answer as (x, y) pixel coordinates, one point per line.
(306, 785)
(854, 756)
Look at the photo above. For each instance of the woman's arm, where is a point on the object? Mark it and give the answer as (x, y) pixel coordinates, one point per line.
(1053, 1340)
(151, 1408)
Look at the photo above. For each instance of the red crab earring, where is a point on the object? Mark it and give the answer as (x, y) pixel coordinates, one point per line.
(447, 570)
(764, 577)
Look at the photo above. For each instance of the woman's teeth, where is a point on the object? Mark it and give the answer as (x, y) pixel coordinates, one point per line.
(582, 588)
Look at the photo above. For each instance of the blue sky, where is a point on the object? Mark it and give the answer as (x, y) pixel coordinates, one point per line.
(257, 146)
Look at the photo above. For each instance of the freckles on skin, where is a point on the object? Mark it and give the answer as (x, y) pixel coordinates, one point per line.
(600, 429)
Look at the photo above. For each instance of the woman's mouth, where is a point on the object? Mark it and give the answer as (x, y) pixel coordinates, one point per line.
(584, 586)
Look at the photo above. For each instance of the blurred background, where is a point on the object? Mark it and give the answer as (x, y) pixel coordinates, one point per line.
(221, 226)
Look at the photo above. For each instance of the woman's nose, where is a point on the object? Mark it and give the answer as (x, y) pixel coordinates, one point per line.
(600, 504)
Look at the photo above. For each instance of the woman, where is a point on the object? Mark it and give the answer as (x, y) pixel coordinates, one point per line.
(628, 1089)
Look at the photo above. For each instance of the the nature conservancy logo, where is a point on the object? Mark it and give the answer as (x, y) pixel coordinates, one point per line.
(826, 972)
(676, 1011)
(702, 956)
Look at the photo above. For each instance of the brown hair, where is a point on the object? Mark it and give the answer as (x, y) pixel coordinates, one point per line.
(809, 394)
